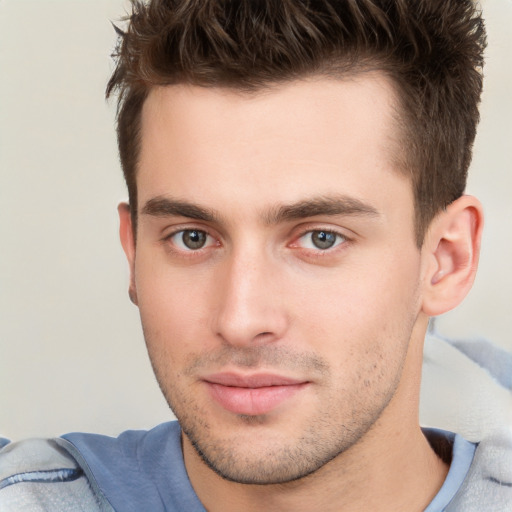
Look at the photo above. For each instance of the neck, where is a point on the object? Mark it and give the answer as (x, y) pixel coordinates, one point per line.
(405, 476)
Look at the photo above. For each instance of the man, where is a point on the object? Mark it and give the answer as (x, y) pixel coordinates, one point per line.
(296, 174)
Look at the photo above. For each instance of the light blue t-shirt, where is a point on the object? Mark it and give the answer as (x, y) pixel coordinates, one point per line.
(144, 470)
(139, 470)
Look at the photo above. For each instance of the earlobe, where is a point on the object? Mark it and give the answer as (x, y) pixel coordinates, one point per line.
(128, 242)
(451, 249)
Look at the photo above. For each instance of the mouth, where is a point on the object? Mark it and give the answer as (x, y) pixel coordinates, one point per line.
(252, 395)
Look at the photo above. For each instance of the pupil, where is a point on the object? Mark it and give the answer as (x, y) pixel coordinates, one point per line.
(194, 239)
(323, 239)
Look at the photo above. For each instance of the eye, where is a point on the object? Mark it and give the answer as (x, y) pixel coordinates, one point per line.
(191, 239)
(320, 239)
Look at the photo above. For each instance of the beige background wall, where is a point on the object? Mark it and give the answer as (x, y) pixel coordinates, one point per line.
(71, 350)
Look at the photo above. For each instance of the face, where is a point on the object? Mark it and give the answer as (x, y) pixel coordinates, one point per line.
(275, 269)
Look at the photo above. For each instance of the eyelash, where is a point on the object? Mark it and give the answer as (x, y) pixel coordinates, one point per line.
(340, 240)
(183, 250)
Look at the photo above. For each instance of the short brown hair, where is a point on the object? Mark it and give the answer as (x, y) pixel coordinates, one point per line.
(431, 49)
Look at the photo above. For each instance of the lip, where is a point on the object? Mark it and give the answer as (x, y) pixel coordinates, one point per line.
(252, 395)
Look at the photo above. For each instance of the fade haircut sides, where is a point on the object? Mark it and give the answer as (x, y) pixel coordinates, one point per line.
(432, 50)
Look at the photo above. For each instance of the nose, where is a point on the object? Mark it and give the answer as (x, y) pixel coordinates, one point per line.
(250, 305)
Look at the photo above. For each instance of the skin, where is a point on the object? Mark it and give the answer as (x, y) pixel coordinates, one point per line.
(259, 182)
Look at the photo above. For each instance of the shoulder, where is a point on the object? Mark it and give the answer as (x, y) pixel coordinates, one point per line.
(488, 485)
(139, 469)
(41, 475)
(130, 451)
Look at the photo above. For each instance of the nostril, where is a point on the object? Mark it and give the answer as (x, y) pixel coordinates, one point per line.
(265, 336)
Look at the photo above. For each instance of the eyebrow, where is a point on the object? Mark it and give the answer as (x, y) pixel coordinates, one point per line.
(165, 207)
(329, 206)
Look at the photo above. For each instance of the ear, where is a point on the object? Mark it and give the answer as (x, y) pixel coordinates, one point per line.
(450, 251)
(128, 242)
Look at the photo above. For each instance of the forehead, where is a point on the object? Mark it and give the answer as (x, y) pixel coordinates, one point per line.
(309, 135)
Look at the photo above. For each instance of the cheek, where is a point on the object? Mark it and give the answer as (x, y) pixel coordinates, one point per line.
(363, 305)
(173, 307)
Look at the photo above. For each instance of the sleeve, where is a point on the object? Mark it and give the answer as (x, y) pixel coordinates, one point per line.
(39, 475)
